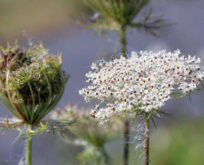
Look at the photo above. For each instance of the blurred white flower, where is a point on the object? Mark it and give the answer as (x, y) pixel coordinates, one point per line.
(69, 113)
(141, 83)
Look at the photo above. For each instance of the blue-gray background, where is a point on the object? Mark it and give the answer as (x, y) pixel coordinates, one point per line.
(52, 22)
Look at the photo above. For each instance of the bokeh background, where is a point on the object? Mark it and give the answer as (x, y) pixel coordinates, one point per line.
(178, 138)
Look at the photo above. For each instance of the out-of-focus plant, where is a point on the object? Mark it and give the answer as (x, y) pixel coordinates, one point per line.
(141, 85)
(31, 83)
(118, 15)
(87, 133)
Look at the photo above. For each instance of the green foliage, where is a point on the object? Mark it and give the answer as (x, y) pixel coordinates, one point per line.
(31, 81)
(179, 144)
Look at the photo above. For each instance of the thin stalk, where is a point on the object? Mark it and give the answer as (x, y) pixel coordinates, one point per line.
(126, 142)
(146, 141)
(123, 41)
(123, 44)
(105, 155)
(28, 147)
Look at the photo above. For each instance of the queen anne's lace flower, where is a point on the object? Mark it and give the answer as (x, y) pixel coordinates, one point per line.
(142, 83)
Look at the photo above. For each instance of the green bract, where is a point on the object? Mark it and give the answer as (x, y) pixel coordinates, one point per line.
(31, 81)
(116, 13)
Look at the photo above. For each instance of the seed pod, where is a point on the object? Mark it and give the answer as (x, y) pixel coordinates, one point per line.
(31, 81)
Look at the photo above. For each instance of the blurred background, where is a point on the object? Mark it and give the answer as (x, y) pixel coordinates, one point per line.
(178, 137)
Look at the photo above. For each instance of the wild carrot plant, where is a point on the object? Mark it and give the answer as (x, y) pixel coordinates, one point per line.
(119, 15)
(31, 83)
(141, 85)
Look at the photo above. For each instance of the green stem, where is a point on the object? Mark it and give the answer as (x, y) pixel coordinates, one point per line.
(123, 41)
(28, 147)
(106, 157)
(126, 141)
(123, 44)
(146, 140)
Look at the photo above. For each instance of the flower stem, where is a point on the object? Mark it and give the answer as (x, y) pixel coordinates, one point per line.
(146, 140)
(106, 157)
(28, 147)
(126, 142)
(123, 44)
(123, 41)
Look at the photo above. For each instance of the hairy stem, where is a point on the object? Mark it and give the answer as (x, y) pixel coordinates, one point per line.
(28, 147)
(123, 41)
(146, 141)
(126, 142)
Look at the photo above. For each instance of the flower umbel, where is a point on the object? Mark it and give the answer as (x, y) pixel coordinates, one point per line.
(141, 83)
(87, 133)
(84, 126)
(31, 81)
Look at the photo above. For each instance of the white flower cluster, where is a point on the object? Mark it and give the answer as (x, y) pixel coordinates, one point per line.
(146, 80)
(70, 112)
